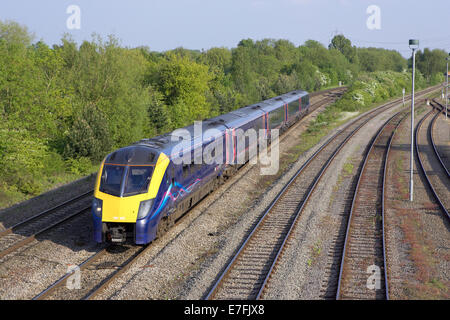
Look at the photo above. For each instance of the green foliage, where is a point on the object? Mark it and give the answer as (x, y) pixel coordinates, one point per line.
(79, 166)
(344, 45)
(377, 87)
(88, 136)
(63, 108)
(183, 83)
(432, 64)
(14, 33)
(22, 157)
(376, 59)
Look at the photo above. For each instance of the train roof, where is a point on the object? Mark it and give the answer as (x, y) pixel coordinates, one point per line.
(214, 127)
(277, 102)
(132, 155)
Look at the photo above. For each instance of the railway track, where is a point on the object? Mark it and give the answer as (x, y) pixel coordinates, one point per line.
(410, 223)
(437, 105)
(430, 163)
(53, 217)
(326, 96)
(249, 270)
(363, 267)
(94, 274)
(26, 231)
(432, 129)
(106, 265)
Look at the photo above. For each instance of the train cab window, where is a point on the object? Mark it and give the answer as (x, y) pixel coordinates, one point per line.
(138, 180)
(111, 179)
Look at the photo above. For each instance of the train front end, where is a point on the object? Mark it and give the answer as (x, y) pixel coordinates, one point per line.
(124, 198)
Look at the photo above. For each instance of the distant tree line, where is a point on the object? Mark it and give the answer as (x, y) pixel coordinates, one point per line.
(63, 108)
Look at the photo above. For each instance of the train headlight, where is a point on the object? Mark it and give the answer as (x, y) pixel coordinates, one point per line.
(97, 206)
(144, 208)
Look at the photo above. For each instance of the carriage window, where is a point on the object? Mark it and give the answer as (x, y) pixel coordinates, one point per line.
(293, 107)
(276, 117)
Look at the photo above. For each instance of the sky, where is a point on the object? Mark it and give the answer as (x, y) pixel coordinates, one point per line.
(201, 24)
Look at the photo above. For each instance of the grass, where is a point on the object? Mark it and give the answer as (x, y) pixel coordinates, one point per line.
(316, 250)
(348, 168)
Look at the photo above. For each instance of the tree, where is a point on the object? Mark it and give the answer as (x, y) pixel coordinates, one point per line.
(89, 135)
(431, 62)
(344, 45)
(14, 33)
(184, 84)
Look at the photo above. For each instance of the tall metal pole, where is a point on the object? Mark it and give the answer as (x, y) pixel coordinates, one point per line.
(411, 181)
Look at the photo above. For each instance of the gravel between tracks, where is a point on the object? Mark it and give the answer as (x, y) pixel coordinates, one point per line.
(25, 273)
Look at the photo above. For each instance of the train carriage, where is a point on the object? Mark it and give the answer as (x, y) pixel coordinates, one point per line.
(143, 188)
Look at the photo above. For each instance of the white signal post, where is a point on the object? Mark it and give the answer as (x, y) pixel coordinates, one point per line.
(446, 90)
(404, 91)
(413, 45)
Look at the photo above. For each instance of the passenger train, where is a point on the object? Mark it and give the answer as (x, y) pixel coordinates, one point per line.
(142, 189)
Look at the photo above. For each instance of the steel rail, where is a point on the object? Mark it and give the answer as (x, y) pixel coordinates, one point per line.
(60, 281)
(32, 237)
(216, 285)
(102, 285)
(432, 139)
(43, 213)
(383, 209)
(312, 189)
(417, 149)
(355, 197)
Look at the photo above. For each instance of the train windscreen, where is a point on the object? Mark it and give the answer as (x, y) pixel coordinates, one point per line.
(138, 180)
(111, 181)
(119, 180)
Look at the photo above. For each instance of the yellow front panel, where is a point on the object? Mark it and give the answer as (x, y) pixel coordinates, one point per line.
(117, 209)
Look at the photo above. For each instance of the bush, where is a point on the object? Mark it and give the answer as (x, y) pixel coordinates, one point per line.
(80, 166)
(89, 135)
